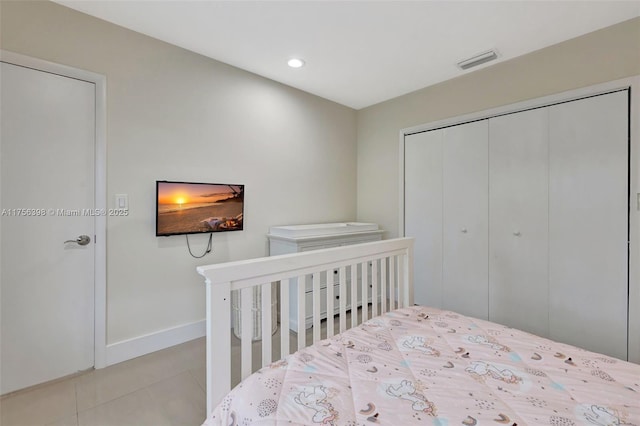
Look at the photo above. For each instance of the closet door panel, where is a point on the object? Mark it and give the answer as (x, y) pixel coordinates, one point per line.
(518, 200)
(588, 218)
(465, 219)
(423, 213)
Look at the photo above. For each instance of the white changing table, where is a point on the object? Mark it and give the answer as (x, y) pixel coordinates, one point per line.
(297, 238)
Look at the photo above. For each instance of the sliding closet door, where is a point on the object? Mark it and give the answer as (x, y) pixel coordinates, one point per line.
(518, 219)
(423, 213)
(588, 223)
(465, 219)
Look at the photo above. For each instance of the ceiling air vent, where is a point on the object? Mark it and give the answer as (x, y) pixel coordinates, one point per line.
(476, 60)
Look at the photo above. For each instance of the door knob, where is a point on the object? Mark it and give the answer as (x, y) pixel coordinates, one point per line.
(82, 240)
(517, 233)
(463, 230)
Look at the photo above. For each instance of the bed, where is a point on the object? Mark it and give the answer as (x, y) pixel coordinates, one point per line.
(402, 364)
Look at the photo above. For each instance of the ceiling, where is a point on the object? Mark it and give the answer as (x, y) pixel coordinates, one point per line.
(359, 53)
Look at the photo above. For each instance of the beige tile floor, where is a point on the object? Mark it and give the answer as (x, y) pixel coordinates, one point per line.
(163, 388)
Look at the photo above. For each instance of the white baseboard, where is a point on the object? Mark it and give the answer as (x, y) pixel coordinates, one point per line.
(142, 345)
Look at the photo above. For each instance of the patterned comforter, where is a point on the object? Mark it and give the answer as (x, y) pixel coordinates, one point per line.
(422, 365)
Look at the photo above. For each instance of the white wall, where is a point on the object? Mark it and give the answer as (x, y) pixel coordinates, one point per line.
(175, 115)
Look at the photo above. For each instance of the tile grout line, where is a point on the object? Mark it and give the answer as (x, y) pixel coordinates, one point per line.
(75, 389)
(193, 376)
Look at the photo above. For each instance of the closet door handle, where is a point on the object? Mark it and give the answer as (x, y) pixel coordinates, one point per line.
(517, 233)
(463, 230)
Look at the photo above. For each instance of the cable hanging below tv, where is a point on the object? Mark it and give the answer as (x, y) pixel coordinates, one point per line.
(197, 208)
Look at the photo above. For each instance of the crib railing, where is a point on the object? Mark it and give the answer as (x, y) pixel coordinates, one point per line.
(380, 271)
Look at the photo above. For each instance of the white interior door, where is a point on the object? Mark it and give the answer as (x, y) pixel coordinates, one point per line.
(423, 213)
(465, 275)
(588, 218)
(518, 241)
(47, 193)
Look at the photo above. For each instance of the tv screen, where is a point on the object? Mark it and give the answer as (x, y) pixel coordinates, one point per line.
(193, 208)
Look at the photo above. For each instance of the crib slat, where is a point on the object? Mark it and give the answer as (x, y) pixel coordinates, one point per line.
(383, 285)
(266, 324)
(302, 315)
(330, 330)
(246, 299)
(218, 355)
(374, 288)
(316, 307)
(365, 291)
(284, 318)
(343, 299)
(392, 282)
(403, 291)
(354, 295)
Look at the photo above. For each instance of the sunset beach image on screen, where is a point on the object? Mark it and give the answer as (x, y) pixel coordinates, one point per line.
(191, 208)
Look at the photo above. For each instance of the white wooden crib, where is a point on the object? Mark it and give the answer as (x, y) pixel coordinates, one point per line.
(380, 270)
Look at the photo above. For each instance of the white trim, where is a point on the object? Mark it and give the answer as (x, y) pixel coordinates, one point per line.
(634, 225)
(100, 274)
(100, 304)
(142, 345)
(634, 214)
(567, 96)
(401, 231)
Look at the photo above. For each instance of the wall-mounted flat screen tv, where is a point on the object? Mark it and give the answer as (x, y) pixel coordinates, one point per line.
(193, 208)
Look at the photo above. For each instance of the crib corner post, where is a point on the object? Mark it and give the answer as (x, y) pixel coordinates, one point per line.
(218, 351)
(408, 274)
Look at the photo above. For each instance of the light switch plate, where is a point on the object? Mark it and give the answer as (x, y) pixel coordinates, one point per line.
(122, 201)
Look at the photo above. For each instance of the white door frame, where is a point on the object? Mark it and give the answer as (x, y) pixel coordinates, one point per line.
(634, 170)
(100, 190)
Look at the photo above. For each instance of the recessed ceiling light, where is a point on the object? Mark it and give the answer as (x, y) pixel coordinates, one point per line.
(295, 63)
